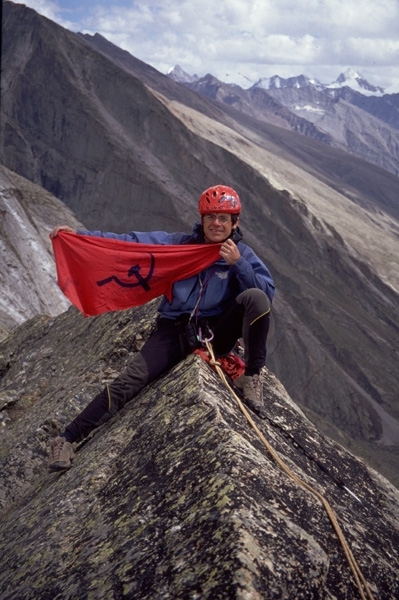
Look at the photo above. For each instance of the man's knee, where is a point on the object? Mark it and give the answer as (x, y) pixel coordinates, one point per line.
(128, 383)
(255, 300)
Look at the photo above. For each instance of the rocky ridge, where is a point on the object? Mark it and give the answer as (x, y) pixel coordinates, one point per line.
(175, 497)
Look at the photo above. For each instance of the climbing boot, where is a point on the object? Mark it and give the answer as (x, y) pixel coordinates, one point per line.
(61, 455)
(251, 387)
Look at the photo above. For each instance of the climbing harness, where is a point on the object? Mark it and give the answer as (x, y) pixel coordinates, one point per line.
(360, 580)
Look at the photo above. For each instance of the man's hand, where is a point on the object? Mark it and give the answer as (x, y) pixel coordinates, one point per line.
(230, 252)
(59, 228)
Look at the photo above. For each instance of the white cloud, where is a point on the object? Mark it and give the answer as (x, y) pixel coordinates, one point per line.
(262, 36)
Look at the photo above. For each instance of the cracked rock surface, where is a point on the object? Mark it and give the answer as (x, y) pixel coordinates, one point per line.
(176, 496)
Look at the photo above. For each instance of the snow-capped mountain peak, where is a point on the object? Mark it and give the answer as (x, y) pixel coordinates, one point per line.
(349, 75)
(356, 82)
(178, 74)
(350, 79)
(277, 82)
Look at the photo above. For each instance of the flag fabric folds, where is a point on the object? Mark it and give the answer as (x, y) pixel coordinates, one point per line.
(101, 274)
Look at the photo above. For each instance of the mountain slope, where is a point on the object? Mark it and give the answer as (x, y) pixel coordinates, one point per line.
(366, 127)
(127, 148)
(345, 120)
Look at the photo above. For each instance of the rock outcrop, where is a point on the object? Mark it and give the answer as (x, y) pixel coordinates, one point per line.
(176, 496)
(27, 275)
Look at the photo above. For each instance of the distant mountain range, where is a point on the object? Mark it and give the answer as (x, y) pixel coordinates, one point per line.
(350, 113)
(350, 78)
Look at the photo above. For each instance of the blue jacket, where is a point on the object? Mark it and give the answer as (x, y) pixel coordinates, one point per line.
(216, 286)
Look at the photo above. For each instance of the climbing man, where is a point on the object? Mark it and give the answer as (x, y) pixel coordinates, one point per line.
(229, 300)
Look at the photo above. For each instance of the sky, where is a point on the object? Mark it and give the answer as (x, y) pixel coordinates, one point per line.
(245, 40)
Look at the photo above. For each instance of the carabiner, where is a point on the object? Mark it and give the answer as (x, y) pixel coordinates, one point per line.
(205, 340)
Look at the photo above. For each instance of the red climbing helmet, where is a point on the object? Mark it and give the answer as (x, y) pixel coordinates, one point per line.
(219, 199)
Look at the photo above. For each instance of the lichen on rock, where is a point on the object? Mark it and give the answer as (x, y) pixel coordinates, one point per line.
(175, 497)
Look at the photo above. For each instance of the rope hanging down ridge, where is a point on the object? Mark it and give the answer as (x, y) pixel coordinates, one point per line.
(360, 580)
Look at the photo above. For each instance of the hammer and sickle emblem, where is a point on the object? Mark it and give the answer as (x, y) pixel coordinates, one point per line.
(133, 271)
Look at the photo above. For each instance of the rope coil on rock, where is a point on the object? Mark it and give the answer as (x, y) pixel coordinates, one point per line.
(361, 582)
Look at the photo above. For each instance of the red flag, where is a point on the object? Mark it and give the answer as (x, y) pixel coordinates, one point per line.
(103, 274)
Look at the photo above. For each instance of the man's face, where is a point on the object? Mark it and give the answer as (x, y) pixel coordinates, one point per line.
(217, 227)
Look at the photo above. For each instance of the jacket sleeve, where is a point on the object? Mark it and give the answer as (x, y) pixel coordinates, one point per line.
(141, 237)
(251, 272)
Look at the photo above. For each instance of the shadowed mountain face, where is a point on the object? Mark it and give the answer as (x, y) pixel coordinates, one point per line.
(124, 147)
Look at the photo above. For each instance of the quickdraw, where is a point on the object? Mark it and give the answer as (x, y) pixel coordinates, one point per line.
(204, 340)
